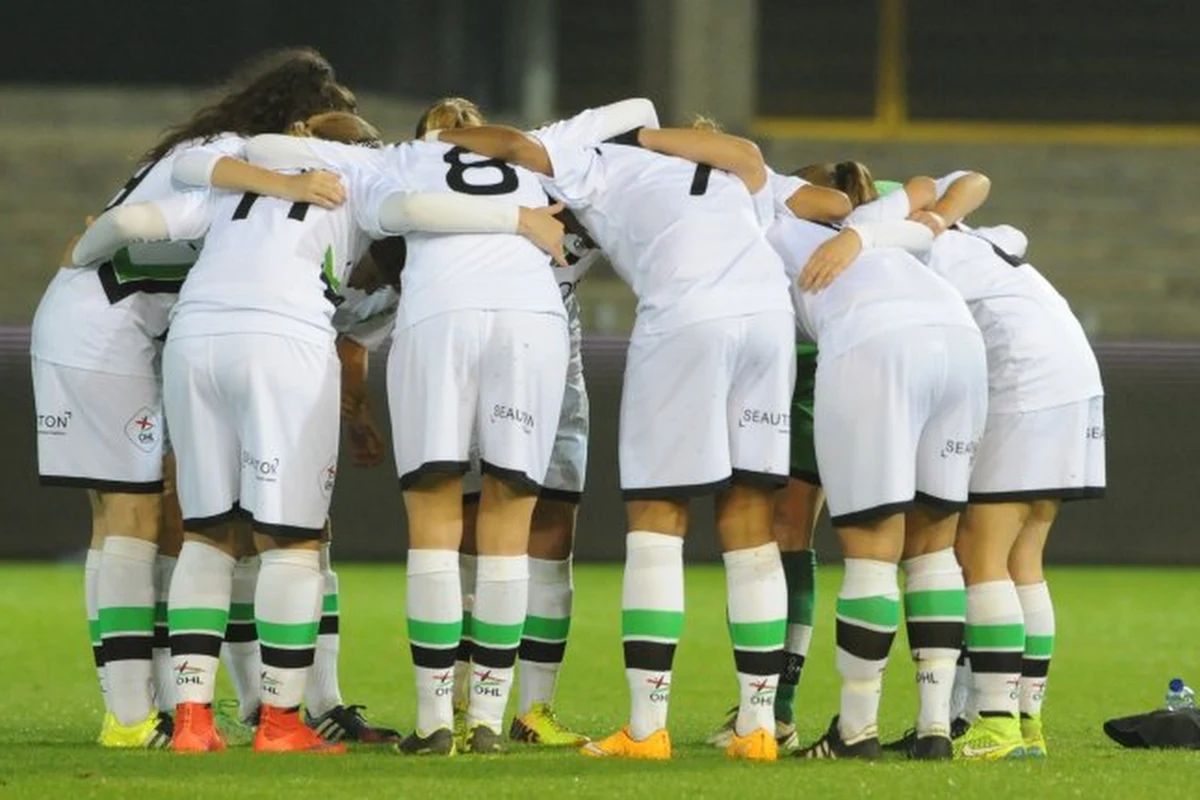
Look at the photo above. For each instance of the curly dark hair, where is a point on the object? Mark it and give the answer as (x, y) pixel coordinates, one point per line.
(265, 96)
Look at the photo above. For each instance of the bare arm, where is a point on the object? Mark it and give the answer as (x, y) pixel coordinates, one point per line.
(819, 204)
(204, 167)
(502, 142)
(921, 191)
(966, 194)
(733, 154)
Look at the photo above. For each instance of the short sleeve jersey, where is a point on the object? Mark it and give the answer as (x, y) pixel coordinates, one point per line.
(685, 237)
(107, 316)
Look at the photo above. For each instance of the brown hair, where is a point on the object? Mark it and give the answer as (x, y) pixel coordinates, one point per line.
(266, 96)
(449, 113)
(340, 126)
(851, 177)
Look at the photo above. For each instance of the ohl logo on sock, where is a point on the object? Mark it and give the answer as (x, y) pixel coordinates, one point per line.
(270, 684)
(444, 684)
(487, 684)
(662, 689)
(764, 693)
(1014, 690)
(185, 673)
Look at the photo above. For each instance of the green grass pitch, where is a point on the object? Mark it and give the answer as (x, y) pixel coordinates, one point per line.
(1122, 633)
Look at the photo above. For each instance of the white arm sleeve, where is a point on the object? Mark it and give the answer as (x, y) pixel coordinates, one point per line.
(118, 227)
(593, 125)
(401, 212)
(194, 167)
(894, 206)
(277, 151)
(911, 236)
(944, 183)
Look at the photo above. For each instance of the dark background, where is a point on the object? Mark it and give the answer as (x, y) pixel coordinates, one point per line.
(1018, 60)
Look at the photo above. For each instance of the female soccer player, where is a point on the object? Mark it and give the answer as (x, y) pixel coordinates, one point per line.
(1043, 443)
(97, 389)
(251, 381)
(899, 405)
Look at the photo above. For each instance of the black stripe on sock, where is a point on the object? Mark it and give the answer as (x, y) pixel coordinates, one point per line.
(650, 656)
(162, 636)
(329, 625)
(542, 652)
(793, 665)
(940, 634)
(494, 657)
(283, 658)
(997, 663)
(128, 648)
(1035, 667)
(864, 643)
(758, 662)
(962, 654)
(196, 644)
(240, 632)
(465, 648)
(98, 654)
(432, 657)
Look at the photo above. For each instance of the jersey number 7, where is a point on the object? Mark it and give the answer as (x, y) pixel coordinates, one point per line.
(298, 211)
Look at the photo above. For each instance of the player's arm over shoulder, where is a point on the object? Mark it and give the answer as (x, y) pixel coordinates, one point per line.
(181, 217)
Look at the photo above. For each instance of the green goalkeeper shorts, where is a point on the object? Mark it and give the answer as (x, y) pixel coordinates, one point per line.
(804, 453)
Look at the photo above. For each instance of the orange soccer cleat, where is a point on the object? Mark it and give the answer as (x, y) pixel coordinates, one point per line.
(195, 731)
(282, 731)
(759, 745)
(656, 746)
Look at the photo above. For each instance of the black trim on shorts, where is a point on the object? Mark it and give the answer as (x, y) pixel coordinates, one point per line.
(940, 503)
(203, 523)
(472, 498)
(510, 476)
(279, 531)
(761, 480)
(409, 479)
(1029, 495)
(676, 492)
(117, 487)
(811, 478)
(560, 495)
(870, 514)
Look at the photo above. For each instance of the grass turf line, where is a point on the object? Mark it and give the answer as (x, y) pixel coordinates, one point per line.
(1122, 634)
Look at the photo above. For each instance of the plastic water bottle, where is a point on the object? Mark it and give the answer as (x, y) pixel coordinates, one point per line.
(1180, 695)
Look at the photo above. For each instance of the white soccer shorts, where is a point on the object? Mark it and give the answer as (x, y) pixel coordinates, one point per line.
(1053, 453)
(897, 419)
(97, 430)
(474, 378)
(254, 425)
(708, 404)
(567, 473)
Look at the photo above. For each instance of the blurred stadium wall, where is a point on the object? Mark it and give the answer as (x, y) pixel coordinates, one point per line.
(1083, 112)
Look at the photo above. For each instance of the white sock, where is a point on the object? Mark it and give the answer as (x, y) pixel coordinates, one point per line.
(467, 571)
(547, 623)
(240, 653)
(91, 583)
(164, 679)
(197, 611)
(935, 613)
(995, 645)
(126, 603)
(1039, 644)
(868, 614)
(756, 599)
(651, 623)
(434, 609)
(501, 600)
(323, 693)
(287, 606)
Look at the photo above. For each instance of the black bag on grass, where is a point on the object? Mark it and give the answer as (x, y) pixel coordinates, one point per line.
(1166, 729)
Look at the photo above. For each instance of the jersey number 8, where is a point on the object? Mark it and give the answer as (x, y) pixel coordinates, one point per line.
(456, 175)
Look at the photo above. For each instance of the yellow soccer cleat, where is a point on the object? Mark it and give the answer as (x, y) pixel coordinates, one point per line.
(152, 733)
(110, 719)
(539, 725)
(759, 745)
(1031, 733)
(655, 747)
(991, 739)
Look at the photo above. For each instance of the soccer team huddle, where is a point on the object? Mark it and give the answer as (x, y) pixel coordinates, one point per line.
(805, 339)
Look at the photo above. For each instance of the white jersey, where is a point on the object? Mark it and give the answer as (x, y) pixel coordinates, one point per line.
(368, 319)
(106, 317)
(269, 266)
(686, 238)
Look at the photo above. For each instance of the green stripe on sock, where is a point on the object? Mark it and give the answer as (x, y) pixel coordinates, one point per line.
(759, 635)
(883, 612)
(435, 634)
(466, 625)
(282, 634)
(1000, 637)
(1039, 646)
(126, 619)
(198, 619)
(490, 634)
(94, 630)
(547, 628)
(646, 623)
(241, 612)
(329, 604)
(936, 603)
(160, 613)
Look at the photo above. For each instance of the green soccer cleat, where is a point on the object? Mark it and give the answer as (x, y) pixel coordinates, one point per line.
(237, 732)
(1031, 733)
(152, 733)
(539, 725)
(991, 739)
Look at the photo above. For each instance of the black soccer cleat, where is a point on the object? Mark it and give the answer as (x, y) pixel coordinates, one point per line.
(438, 743)
(931, 748)
(347, 724)
(907, 743)
(482, 740)
(831, 746)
